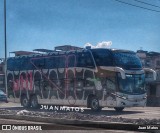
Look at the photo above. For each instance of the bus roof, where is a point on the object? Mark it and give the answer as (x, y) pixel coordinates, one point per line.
(122, 50)
(115, 50)
(51, 52)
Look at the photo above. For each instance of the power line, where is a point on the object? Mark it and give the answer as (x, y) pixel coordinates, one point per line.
(137, 6)
(147, 3)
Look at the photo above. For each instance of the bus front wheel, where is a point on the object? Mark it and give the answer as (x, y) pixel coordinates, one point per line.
(25, 102)
(34, 102)
(94, 104)
(119, 109)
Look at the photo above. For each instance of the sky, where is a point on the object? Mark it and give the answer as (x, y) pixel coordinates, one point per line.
(33, 24)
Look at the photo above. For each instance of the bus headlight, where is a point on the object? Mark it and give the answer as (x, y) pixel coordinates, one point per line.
(145, 97)
(124, 98)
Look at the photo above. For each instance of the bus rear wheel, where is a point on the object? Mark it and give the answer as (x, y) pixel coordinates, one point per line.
(25, 102)
(94, 104)
(119, 109)
(34, 102)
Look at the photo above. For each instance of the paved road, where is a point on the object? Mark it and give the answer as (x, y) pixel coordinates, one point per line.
(133, 112)
(61, 128)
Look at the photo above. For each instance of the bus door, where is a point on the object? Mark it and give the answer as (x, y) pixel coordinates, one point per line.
(71, 79)
(110, 91)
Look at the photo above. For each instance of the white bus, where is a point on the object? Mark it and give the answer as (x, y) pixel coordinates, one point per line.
(93, 78)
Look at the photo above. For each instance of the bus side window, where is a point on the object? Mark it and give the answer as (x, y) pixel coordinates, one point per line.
(24, 63)
(16, 64)
(71, 61)
(61, 62)
(51, 62)
(80, 60)
(29, 65)
(39, 63)
(85, 60)
(102, 57)
(88, 60)
(10, 64)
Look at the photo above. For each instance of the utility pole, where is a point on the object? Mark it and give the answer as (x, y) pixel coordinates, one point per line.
(5, 46)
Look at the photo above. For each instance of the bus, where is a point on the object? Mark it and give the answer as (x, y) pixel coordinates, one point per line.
(92, 78)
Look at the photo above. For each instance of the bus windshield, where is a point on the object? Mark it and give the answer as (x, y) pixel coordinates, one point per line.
(133, 84)
(127, 60)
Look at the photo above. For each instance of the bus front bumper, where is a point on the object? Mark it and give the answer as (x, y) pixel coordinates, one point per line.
(131, 101)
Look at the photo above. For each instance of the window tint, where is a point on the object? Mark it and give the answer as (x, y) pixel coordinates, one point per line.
(51, 62)
(71, 61)
(84, 59)
(39, 62)
(127, 60)
(80, 60)
(24, 63)
(16, 64)
(61, 60)
(10, 63)
(102, 57)
(29, 65)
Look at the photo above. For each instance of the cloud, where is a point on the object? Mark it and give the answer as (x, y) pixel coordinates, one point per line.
(103, 44)
(89, 44)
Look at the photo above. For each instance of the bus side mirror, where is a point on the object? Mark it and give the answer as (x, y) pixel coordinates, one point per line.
(115, 69)
(122, 72)
(152, 71)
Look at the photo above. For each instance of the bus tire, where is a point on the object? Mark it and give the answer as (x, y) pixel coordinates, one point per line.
(94, 104)
(25, 102)
(34, 102)
(119, 109)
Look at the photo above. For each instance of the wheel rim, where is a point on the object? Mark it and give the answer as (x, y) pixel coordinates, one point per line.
(94, 104)
(34, 103)
(25, 102)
